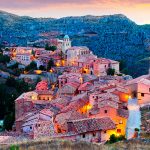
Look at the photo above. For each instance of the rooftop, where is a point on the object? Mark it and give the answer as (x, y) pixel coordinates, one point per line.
(89, 125)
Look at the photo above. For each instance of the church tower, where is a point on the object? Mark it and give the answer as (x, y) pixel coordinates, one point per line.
(66, 44)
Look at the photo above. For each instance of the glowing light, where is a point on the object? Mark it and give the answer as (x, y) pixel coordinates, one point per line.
(33, 98)
(50, 70)
(25, 72)
(85, 108)
(53, 86)
(88, 107)
(38, 71)
(129, 97)
(57, 64)
(81, 80)
(63, 63)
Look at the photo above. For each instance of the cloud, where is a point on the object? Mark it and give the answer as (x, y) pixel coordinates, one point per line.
(18, 4)
(23, 4)
(29, 4)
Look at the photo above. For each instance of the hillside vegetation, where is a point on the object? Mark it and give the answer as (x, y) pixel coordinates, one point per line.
(112, 36)
(68, 145)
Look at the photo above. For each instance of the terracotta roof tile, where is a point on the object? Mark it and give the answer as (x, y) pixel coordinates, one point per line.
(89, 125)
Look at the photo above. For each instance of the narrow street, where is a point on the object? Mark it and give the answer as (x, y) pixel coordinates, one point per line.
(134, 120)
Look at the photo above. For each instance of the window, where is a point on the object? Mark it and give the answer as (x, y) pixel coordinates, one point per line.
(105, 131)
(118, 130)
(94, 134)
(30, 127)
(83, 135)
(142, 94)
(149, 89)
(120, 122)
(105, 111)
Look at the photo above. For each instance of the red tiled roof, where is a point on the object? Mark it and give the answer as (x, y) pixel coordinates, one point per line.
(123, 113)
(47, 112)
(106, 61)
(75, 105)
(70, 115)
(85, 86)
(89, 125)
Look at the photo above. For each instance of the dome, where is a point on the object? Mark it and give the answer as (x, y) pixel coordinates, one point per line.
(66, 37)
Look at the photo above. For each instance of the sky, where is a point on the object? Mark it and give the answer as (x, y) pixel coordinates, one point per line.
(136, 10)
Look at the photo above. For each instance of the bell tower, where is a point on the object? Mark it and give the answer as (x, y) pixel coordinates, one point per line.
(66, 44)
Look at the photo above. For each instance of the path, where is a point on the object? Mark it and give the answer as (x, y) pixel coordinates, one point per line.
(134, 120)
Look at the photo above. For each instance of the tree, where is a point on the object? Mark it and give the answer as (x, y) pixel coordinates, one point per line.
(14, 66)
(31, 66)
(17, 72)
(113, 138)
(38, 80)
(42, 67)
(53, 48)
(125, 71)
(122, 64)
(33, 52)
(22, 86)
(11, 82)
(4, 58)
(9, 121)
(47, 47)
(136, 129)
(50, 48)
(50, 64)
(110, 71)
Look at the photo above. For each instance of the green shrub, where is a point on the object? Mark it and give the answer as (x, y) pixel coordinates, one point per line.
(14, 147)
(136, 129)
(113, 139)
(110, 71)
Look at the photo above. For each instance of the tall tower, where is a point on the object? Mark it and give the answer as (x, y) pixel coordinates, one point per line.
(66, 44)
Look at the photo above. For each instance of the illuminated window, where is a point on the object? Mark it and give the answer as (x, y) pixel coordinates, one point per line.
(118, 130)
(120, 122)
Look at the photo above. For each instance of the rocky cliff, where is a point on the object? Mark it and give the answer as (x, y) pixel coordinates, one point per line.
(115, 36)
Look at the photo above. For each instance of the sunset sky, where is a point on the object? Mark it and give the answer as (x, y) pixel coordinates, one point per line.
(137, 10)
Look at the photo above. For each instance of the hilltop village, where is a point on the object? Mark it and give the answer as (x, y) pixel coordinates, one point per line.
(79, 97)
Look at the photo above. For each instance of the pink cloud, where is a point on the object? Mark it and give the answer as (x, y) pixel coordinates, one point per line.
(43, 3)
